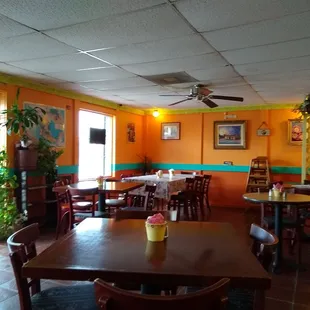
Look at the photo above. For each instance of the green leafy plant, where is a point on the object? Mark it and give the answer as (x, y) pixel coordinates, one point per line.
(10, 218)
(303, 108)
(19, 120)
(146, 164)
(47, 156)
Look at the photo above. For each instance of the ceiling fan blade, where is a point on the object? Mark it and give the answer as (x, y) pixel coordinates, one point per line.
(209, 103)
(226, 98)
(172, 95)
(179, 101)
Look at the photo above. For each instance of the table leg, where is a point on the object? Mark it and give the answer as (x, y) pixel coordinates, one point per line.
(259, 300)
(101, 202)
(278, 232)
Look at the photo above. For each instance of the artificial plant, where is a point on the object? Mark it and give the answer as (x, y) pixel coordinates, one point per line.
(47, 156)
(146, 164)
(304, 107)
(19, 120)
(10, 218)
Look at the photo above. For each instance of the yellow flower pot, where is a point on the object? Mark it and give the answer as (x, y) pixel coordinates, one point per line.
(156, 232)
(276, 193)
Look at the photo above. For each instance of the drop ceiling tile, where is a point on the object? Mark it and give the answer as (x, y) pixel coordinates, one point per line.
(60, 63)
(135, 90)
(43, 15)
(213, 74)
(31, 46)
(111, 73)
(157, 50)
(11, 28)
(213, 14)
(276, 66)
(283, 50)
(149, 25)
(117, 84)
(207, 61)
(5, 68)
(274, 77)
(69, 86)
(291, 27)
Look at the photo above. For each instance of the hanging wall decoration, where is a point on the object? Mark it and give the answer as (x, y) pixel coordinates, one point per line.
(131, 133)
(295, 131)
(230, 135)
(52, 126)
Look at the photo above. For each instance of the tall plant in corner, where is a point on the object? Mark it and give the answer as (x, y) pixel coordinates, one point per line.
(303, 108)
(10, 218)
(19, 120)
(47, 156)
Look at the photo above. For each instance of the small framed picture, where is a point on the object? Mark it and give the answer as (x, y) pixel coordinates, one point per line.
(170, 131)
(295, 127)
(131, 133)
(230, 135)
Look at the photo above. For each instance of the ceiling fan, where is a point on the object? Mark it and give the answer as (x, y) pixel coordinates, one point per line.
(203, 94)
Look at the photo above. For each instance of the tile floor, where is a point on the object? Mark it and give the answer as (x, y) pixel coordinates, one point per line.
(290, 290)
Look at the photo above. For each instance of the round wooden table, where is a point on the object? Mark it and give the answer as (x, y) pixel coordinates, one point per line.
(293, 200)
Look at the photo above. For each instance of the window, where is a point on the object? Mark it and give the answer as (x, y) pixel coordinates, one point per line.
(94, 159)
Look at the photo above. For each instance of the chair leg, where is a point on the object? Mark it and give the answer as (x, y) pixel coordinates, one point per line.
(299, 245)
(207, 202)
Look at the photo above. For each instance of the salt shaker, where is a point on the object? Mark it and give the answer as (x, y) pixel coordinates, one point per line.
(270, 193)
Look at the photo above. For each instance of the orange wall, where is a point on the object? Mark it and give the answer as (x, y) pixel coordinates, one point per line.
(196, 147)
(124, 152)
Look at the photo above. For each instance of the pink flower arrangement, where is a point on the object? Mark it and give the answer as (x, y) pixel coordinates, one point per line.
(156, 219)
(278, 187)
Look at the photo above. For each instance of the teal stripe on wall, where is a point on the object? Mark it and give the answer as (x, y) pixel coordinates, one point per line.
(129, 166)
(223, 168)
(68, 169)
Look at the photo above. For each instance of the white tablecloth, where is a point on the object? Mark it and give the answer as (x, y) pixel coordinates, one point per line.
(165, 186)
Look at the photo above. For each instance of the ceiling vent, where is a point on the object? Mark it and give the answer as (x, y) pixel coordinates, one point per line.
(170, 78)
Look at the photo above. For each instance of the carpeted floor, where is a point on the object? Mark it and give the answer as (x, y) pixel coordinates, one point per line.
(290, 290)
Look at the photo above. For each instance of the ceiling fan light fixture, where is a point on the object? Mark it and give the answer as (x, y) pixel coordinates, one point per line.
(156, 113)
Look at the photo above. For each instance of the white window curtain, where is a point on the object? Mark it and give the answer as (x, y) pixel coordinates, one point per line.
(94, 159)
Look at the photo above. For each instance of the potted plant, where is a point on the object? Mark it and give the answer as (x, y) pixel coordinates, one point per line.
(304, 107)
(47, 156)
(10, 218)
(18, 121)
(146, 164)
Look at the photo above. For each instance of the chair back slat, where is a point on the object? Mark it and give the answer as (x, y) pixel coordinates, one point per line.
(150, 196)
(206, 183)
(22, 248)
(112, 298)
(189, 184)
(186, 172)
(65, 225)
(264, 244)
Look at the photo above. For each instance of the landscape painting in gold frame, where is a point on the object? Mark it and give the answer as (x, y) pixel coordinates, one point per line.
(230, 135)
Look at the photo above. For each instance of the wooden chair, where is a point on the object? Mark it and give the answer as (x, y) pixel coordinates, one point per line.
(111, 298)
(186, 172)
(186, 200)
(206, 184)
(64, 226)
(263, 247)
(115, 201)
(22, 248)
(143, 202)
(78, 215)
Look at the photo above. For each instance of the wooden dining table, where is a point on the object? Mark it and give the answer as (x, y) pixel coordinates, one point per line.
(194, 254)
(278, 203)
(111, 187)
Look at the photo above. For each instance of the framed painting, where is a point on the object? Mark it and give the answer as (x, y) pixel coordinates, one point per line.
(170, 131)
(230, 135)
(52, 126)
(295, 131)
(131, 133)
